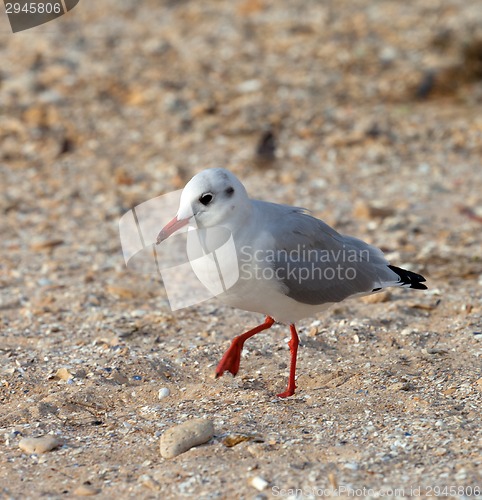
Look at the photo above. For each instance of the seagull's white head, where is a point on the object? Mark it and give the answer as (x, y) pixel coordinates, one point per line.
(214, 197)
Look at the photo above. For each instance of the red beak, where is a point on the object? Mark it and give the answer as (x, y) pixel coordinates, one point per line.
(170, 228)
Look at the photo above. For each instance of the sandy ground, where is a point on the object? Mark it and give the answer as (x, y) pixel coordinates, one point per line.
(376, 112)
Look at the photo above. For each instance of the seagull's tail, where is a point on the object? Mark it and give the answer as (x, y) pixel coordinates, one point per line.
(408, 279)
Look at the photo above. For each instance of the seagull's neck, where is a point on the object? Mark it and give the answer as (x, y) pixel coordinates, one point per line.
(240, 219)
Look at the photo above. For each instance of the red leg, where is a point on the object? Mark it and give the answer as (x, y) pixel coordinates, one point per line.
(232, 357)
(293, 343)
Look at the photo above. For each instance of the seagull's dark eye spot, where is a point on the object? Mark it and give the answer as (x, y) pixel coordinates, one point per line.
(206, 198)
(229, 191)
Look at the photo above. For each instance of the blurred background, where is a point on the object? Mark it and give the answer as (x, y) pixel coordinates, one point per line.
(366, 112)
(336, 106)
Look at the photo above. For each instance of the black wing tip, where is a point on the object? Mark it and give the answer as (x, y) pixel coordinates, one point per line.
(419, 286)
(414, 280)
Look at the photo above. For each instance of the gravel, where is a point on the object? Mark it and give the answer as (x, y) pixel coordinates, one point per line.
(368, 113)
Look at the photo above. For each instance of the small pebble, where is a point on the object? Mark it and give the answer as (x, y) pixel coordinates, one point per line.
(183, 437)
(377, 298)
(364, 210)
(249, 86)
(63, 374)
(399, 386)
(149, 482)
(258, 482)
(234, 439)
(164, 393)
(86, 490)
(313, 332)
(10, 436)
(388, 54)
(40, 444)
(351, 466)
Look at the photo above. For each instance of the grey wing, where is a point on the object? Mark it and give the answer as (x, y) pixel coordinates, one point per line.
(317, 265)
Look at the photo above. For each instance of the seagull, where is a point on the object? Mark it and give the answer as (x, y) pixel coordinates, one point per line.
(288, 264)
